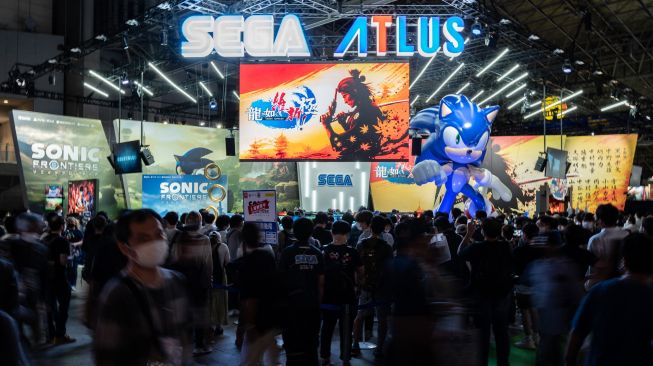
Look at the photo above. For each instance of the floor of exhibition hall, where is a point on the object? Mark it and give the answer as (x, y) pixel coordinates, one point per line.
(224, 353)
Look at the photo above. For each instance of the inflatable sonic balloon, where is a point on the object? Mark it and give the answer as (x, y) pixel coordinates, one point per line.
(458, 133)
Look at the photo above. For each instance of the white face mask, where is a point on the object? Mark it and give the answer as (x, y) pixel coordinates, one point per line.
(359, 227)
(588, 225)
(151, 254)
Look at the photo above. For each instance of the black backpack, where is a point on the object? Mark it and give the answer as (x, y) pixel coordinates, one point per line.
(373, 255)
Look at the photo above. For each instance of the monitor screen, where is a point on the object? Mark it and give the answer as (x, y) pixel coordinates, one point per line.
(126, 157)
(556, 164)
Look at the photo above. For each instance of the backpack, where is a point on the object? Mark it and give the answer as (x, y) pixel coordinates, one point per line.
(495, 277)
(373, 255)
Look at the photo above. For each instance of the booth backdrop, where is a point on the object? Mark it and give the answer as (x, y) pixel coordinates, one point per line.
(336, 185)
(53, 150)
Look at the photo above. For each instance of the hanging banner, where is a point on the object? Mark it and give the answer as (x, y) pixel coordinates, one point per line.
(333, 185)
(52, 150)
(324, 111)
(185, 193)
(260, 207)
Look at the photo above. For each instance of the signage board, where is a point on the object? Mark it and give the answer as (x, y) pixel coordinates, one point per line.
(260, 207)
(339, 186)
(185, 193)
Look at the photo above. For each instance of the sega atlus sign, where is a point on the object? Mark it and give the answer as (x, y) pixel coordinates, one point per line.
(334, 180)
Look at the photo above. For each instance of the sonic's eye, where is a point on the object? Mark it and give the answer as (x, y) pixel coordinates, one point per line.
(452, 138)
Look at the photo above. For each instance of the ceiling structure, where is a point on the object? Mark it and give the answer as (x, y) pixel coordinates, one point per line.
(609, 43)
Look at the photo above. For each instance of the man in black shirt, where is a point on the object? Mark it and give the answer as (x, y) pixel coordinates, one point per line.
(491, 283)
(302, 267)
(320, 231)
(58, 252)
(343, 267)
(258, 295)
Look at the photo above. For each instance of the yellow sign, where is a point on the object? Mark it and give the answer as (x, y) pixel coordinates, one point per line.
(551, 107)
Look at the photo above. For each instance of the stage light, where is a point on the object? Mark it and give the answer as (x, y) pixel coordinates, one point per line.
(648, 118)
(597, 71)
(164, 37)
(217, 70)
(477, 95)
(202, 123)
(219, 125)
(213, 104)
(558, 51)
(477, 28)
(579, 62)
(235, 94)
(512, 69)
(206, 89)
(5, 101)
(414, 100)
(104, 94)
(424, 68)
(567, 67)
(132, 22)
(533, 37)
(171, 82)
(445, 81)
(124, 80)
(143, 88)
(486, 68)
(101, 37)
(106, 81)
(125, 43)
(462, 88)
(614, 105)
(513, 105)
(516, 90)
(504, 88)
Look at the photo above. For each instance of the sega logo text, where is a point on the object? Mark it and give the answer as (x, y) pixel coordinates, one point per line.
(334, 180)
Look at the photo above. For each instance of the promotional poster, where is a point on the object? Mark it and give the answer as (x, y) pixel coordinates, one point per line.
(337, 185)
(55, 149)
(324, 111)
(53, 196)
(260, 207)
(392, 187)
(278, 176)
(82, 198)
(185, 193)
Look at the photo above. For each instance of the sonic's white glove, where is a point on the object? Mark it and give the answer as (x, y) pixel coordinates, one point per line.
(485, 178)
(429, 171)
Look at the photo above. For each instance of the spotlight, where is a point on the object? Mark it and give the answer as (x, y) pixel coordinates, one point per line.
(124, 80)
(558, 51)
(219, 125)
(491, 39)
(477, 28)
(504, 21)
(164, 37)
(132, 22)
(533, 37)
(213, 104)
(125, 43)
(202, 123)
(101, 37)
(76, 50)
(567, 68)
(52, 61)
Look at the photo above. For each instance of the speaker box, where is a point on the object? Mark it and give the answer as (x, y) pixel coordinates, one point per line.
(230, 143)
(416, 147)
(147, 157)
(540, 164)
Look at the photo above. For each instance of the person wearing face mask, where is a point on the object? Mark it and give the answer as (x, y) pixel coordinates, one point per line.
(363, 225)
(387, 233)
(320, 231)
(192, 256)
(143, 313)
(606, 246)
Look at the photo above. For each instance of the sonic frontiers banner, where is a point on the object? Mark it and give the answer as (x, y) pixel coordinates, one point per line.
(53, 150)
(184, 193)
(324, 111)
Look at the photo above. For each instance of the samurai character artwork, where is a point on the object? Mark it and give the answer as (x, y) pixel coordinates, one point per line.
(362, 137)
(458, 133)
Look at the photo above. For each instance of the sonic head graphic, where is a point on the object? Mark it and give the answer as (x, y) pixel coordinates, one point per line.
(459, 130)
(192, 160)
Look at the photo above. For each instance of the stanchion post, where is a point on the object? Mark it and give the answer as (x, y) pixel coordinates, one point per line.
(346, 333)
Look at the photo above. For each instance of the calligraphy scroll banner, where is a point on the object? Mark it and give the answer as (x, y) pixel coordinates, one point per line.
(260, 207)
(324, 111)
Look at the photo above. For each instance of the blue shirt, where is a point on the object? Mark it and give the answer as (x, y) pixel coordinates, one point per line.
(619, 315)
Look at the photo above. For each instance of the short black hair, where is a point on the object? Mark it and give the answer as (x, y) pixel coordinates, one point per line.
(455, 212)
(286, 222)
(441, 223)
(492, 228)
(303, 229)
(348, 217)
(508, 231)
(588, 216)
(340, 227)
(563, 221)
(57, 223)
(637, 250)
(530, 230)
(428, 213)
(251, 235)
(378, 225)
(235, 221)
(99, 223)
(575, 236)
(481, 215)
(222, 222)
(365, 217)
(321, 218)
(548, 221)
(123, 226)
(208, 218)
(608, 214)
(10, 224)
(172, 218)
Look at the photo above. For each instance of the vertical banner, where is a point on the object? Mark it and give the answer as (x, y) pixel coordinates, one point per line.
(393, 187)
(260, 207)
(185, 193)
(340, 186)
(53, 150)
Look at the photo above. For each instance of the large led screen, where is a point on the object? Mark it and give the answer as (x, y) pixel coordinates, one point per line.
(53, 150)
(324, 111)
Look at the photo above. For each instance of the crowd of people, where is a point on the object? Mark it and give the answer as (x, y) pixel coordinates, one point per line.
(160, 290)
